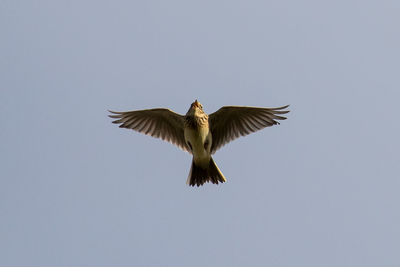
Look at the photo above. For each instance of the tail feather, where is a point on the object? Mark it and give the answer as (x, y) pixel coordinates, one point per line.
(198, 175)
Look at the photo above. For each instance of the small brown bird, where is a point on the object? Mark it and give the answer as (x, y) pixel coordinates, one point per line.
(200, 134)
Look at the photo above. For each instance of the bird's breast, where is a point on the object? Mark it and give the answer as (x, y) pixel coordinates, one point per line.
(199, 140)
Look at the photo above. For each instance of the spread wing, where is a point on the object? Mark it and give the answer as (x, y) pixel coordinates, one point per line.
(231, 122)
(159, 122)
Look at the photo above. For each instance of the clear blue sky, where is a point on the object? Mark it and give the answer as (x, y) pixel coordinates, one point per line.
(321, 189)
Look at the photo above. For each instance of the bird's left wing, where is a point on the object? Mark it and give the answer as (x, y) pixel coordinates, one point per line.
(230, 122)
(159, 122)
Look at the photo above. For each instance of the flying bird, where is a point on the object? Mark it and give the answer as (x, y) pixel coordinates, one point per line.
(198, 133)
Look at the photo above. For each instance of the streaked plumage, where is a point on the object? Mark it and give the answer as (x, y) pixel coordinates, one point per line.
(198, 133)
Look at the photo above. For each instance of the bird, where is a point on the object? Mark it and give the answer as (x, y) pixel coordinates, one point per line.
(198, 133)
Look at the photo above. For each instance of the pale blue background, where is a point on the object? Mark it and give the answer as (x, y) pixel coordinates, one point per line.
(321, 189)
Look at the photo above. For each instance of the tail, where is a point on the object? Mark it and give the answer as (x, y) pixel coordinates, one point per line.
(198, 176)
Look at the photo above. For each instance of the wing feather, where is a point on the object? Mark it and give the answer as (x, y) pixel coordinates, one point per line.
(231, 122)
(159, 123)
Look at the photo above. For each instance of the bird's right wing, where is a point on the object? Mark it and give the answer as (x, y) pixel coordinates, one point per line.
(159, 122)
(231, 122)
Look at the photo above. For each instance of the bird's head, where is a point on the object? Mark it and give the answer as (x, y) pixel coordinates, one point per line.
(195, 108)
(195, 105)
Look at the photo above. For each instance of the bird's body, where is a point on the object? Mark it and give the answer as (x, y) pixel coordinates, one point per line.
(200, 134)
(197, 138)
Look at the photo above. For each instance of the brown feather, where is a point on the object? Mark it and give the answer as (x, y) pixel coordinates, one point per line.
(230, 122)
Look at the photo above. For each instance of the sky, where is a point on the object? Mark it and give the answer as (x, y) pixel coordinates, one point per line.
(321, 189)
